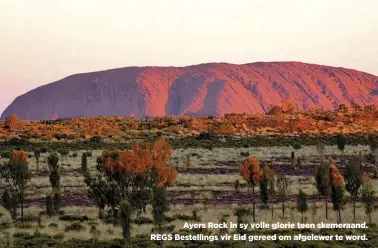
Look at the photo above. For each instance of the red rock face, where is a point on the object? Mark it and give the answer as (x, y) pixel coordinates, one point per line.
(206, 89)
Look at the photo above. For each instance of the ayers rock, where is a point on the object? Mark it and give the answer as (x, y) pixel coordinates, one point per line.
(205, 89)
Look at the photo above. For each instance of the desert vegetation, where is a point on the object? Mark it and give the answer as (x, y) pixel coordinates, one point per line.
(111, 181)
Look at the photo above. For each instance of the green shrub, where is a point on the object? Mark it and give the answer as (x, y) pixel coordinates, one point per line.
(49, 205)
(53, 225)
(56, 201)
(27, 225)
(63, 151)
(169, 219)
(76, 226)
(89, 153)
(297, 146)
(244, 154)
(31, 218)
(143, 220)
(95, 141)
(74, 218)
(194, 217)
(84, 163)
(60, 136)
(44, 149)
(59, 236)
(6, 154)
(204, 135)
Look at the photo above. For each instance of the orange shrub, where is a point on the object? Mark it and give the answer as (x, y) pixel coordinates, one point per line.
(336, 178)
(226, 129)
(175, 129)
(250, 170)
(19, 157)
(12, 122)
(266, 172)
(145, 160)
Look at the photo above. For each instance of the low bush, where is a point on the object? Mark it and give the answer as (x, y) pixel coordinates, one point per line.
(53, 225)
(74, 218)
(76, 226)
(6, 154)
(143, 220)
(297, 146)
(44, 149)
(244, 154)
(63, 151)
(89, 153)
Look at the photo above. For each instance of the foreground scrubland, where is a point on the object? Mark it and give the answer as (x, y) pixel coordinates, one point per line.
(206, 157)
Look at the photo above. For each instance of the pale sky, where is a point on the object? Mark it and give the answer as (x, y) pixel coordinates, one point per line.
(42, 41)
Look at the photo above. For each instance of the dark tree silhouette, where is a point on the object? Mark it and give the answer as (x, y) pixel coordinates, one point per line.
(302, 203)
(353, 182)
(323, 183)
(16, 173)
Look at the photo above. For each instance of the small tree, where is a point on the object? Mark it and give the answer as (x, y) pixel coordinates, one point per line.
(292, 160)
(131, 175)
(95, 141)
(266, 176)
(241, 214)
(55, 179)
(187, 162)
(237, 186)
(223, 218)
(314, 211)
(53, 163)
(368, 196)
(99, 190)
(323, 184)
(91, 127)
(282, 185)
(159, 208)
(375, 172)
(353, 182)
(375, 157)
(84, 162)
(321, 150)
(9, 204)
(264, 194)
(37, 155)
(49, 205)
(272, 193)
(125, 211)
(16, 173)
(56, 201)
(360, 160)
(337, 187)
(373, 144)
(250, 171)
(63, 152)
(341, 142)
(302, 203)
(299, 162)
(271, 188)
(12, 122)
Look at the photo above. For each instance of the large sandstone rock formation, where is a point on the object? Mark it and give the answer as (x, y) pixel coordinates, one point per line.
(205, 89)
